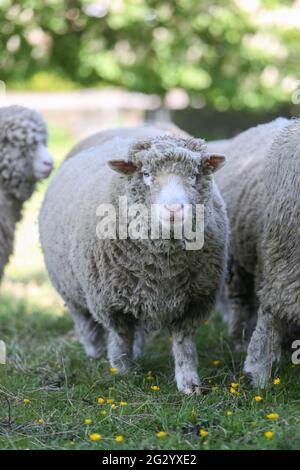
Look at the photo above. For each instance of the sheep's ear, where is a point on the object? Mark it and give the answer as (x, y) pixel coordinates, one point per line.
(122, 166)
(214, 162)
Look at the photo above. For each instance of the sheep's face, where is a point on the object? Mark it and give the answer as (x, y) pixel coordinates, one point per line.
(171, 179)
(24, 159)
(42, 162)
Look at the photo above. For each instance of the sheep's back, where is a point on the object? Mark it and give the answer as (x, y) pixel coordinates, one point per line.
(242, 186)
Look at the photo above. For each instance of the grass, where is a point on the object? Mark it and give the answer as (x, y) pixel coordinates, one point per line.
(48, 369)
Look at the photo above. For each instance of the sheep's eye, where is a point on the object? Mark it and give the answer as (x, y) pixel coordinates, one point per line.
(147, 178)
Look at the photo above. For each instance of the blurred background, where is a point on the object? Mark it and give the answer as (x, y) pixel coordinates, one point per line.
(212, 67)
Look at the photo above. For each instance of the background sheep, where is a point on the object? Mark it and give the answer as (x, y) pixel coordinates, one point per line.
(23, 161)
(123, 286)
(261, 188)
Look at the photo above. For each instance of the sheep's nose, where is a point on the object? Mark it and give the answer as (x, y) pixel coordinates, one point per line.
(172, 208)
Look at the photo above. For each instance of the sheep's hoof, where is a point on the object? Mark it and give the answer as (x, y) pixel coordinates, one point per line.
(191, 388)
(256, 378)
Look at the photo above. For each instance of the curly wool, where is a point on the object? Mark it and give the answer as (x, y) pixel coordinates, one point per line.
(21, 130)
(261, 188)
(117, 281)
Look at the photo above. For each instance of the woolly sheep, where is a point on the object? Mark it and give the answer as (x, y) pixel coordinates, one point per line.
(24, 160)
(260, 186)
(117, 288)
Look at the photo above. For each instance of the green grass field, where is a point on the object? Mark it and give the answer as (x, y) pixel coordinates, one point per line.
(48, 388)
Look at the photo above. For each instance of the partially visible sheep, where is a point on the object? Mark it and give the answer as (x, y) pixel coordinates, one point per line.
(114, 288)
(23, 161)
(261, 189)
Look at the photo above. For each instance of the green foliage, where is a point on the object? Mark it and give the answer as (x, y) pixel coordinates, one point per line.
(230, 55)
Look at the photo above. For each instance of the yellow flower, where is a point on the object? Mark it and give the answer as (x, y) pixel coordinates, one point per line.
(103, 412)
(269, 434)
(273, 416)
(155, 388)
(114, 406)
(162, 434)
(87, 421)
(234, 385)
(206, 322)
(216, 362)
(109, 401)
(229, 413)
(123, 403)
(119, 438)
(258, 398)
(276, 381)
(101, 400)
(95, 437)
(40, 421)
(194, 413)
(26, 401)
(203, 433)
(233, 391)
(110, 387)
(113, 370)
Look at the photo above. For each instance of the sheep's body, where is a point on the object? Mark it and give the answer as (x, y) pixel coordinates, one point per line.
(21, 132)
(126, 285)
(260, 186)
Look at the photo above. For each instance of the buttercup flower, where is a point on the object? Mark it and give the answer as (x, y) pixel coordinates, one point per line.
(87, 421)
(114, 406)
(109, 401)
(95, 437)
(203, 433)
(113, 370)
(119, 438)
(258, 398)
(229, 413)
(101, 400)
(276, 381)
(269, 434)
(26, 401)
(123, 403)
(103, 412)
(155, 388)
(234, 385)
(233, 391)
(216, 362)
(40, 421)
(273, 416)
(161, 434)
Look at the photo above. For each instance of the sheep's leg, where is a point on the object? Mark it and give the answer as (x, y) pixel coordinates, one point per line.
(264, 348)
(242, 304)
(91, 334)
(120, 349)
(186, 361)
(138, 342)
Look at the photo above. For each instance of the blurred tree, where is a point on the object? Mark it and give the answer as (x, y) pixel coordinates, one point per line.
(238, 54)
